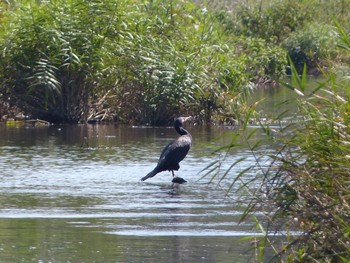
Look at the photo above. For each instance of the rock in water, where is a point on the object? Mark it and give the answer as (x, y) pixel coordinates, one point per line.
(178, 180)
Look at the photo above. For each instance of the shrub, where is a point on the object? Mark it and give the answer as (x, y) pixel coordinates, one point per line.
(263, 59)
(272, 20)
(311, 45)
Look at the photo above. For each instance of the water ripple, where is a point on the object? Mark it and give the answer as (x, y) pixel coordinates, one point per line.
(100, 184)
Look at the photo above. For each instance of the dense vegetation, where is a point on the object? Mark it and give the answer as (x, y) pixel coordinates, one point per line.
(146, 61)
(301, 189)
(139, 61)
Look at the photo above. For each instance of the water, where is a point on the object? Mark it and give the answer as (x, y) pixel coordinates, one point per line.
(73, 194)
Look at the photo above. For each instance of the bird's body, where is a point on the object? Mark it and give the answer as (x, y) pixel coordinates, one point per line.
(174, 152)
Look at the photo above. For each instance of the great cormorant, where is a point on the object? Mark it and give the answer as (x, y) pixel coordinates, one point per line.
(175, 151)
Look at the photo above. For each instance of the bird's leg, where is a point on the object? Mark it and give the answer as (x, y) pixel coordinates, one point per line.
(173, 173)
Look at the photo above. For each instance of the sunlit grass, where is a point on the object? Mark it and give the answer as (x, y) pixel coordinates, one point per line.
(304, 188)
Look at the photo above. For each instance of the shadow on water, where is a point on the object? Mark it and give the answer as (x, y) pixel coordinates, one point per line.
(73, 194)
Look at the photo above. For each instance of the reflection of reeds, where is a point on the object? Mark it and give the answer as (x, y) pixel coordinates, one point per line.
(27, 123)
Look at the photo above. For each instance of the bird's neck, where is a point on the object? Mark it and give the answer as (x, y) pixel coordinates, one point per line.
(181, 130)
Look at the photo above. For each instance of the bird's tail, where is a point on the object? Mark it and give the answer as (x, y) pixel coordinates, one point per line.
(149, 175)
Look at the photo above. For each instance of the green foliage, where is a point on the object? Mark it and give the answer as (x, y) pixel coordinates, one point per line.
(147, 61)
(303, 28)
(315, 166)
(51, 56)
(311, 46)
(263, 59)
(301, 187)
(272, 21)
(131, 62)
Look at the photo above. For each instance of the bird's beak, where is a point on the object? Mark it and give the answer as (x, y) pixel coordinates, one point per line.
(187, 119)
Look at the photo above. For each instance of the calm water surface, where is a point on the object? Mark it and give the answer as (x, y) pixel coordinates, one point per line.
(73, 194)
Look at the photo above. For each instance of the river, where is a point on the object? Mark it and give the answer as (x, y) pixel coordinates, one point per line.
(72, 193)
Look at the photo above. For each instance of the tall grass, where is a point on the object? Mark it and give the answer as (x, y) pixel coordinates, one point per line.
(147, 61)
(127, 61)
(301, 186)
(51, 56)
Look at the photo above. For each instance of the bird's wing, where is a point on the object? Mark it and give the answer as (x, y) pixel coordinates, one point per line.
(172, 154)
(166, 150)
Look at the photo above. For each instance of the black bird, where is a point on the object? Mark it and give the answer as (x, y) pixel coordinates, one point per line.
(175, 151)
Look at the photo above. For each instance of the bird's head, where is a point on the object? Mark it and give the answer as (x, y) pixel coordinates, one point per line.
(181, 120)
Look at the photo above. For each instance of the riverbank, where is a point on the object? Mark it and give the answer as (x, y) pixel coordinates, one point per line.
(146, 64)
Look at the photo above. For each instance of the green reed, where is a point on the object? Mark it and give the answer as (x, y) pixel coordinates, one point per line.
(299, 190)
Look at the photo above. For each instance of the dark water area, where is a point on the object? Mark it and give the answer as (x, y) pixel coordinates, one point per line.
(73, 194)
